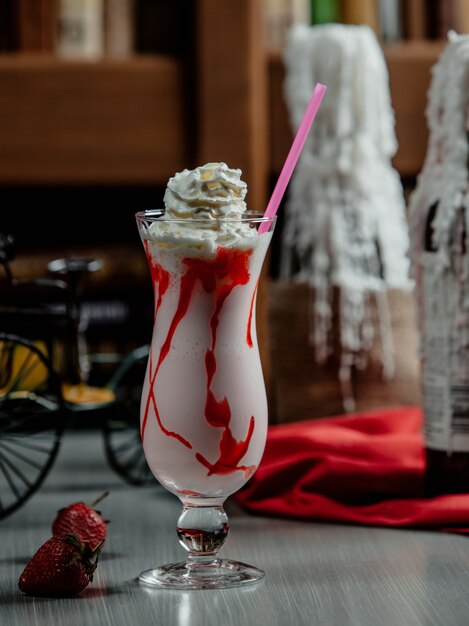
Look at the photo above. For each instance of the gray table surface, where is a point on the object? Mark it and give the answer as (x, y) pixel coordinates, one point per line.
(316, 573)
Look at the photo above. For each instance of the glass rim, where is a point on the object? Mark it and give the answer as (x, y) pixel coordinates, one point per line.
(249, 217)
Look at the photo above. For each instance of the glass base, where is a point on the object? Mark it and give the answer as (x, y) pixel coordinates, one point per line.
(217, 574)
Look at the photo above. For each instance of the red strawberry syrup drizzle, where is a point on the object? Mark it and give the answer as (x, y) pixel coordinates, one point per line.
(253, 299)
(161, 280)
(221, 275)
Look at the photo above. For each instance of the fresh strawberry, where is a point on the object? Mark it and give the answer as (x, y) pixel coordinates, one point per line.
(82, 520)
(61, 567)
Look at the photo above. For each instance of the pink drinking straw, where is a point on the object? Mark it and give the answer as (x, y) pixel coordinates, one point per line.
(292, 158)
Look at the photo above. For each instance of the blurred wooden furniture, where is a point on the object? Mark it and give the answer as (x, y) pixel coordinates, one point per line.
(232, 90)
(409, 65)
(105, 122)
(135, 122)
(139, 120)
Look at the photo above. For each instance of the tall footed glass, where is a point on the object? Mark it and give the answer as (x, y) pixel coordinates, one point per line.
(204, 406)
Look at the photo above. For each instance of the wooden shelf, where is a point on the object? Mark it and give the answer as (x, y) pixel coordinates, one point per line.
(105, 122)
(125, 122)
(409, 65)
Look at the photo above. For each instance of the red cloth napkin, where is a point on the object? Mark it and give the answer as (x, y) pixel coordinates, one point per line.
(362, 468)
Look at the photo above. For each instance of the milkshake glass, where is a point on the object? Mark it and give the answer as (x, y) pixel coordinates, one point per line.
(204, 407)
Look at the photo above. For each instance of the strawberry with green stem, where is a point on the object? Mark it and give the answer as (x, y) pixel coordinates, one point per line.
(62, 566)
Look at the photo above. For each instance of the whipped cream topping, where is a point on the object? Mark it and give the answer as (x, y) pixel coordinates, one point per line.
(209, 191)
(204, 208)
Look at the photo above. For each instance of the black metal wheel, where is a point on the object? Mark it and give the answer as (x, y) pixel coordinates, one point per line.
(122, 440)
(31, 420)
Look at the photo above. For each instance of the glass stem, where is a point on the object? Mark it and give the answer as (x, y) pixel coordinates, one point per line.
(202, 530)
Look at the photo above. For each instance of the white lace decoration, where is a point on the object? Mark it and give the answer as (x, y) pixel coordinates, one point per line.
(345, 222)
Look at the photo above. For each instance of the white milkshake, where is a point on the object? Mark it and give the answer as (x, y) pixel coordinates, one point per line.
(204, 408)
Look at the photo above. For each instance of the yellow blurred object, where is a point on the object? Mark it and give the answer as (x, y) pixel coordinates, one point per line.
(26, 371)
(84, 394)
